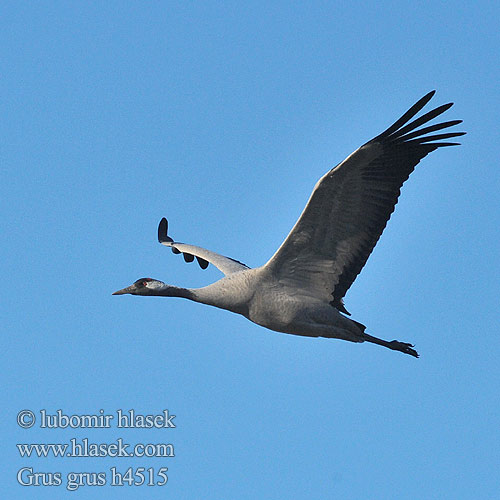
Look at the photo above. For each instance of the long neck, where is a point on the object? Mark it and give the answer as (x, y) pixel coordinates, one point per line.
(230, 293)
(174, 291)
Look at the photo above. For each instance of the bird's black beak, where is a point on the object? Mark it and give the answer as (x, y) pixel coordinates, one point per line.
(123, 291)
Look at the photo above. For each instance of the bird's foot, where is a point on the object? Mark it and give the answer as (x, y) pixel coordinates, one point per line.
(403, 347)
(395, 345)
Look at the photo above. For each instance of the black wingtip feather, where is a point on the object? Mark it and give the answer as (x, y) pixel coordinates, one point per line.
(163, 237)
(408, 115)
(202, 262)
(444, 144)
(437, 137)
(428, 130)
(430, 115)
(188, 257)
(405, 131)
(163, 232)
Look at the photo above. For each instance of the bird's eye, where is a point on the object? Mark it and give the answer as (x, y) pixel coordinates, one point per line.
(144, 283)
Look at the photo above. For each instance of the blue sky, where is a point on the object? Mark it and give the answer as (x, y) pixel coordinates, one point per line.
(221, 116)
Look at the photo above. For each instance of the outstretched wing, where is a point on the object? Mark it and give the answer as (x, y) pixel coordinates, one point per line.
(350, 206)
(203, 256)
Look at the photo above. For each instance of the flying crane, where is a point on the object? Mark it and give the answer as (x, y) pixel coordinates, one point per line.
(300, 290)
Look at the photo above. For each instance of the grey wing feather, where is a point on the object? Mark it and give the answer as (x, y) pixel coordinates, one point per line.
(203, 256)
(350, 206)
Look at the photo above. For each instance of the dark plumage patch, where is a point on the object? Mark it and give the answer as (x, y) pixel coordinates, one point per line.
(360, 325)
(188, 257)
(238, 262)
(202, 262)
(339, 305)
(163, 232)
(140, 282)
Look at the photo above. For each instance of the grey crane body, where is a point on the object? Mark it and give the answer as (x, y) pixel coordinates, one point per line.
(300, 289)
(263, 300)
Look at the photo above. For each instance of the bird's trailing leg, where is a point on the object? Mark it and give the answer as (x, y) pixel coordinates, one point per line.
(395, 345)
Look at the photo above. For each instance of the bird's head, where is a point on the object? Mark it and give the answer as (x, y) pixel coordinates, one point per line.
(143, 286)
